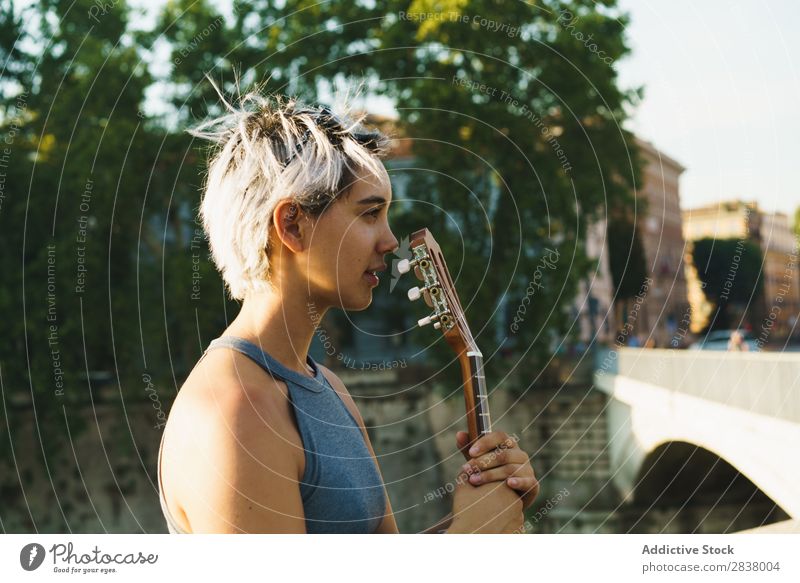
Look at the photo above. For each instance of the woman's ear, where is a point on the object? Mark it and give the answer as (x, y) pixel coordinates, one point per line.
(287, 221)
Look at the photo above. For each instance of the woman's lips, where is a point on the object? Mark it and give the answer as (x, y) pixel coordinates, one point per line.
(371, 278)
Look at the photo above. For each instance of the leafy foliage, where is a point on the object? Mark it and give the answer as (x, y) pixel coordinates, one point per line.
(515, 121)
(730, 270)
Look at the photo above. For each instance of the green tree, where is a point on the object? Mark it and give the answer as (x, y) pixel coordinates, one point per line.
(730, 270)
(17, 64)
(514, 111)
(70, 217)
(190, 291)
(626, 260)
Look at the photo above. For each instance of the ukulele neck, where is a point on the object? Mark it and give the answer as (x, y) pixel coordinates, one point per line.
(480, 398)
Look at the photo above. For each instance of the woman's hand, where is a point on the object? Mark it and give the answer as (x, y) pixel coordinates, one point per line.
(495, 457)
(488, 509)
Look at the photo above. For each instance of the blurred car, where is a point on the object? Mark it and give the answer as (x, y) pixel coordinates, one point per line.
(720, 340)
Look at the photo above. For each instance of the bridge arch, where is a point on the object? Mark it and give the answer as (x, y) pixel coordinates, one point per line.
(743, 410)
(683, 487)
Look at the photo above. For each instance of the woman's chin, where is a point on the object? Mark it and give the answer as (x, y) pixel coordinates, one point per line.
(357, 304)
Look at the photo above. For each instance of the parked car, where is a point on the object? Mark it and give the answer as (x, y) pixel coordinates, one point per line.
(720, 340)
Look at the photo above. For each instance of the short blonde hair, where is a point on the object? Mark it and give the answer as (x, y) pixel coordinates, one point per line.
(265, 150)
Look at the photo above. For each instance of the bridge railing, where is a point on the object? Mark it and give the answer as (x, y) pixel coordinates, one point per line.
(767, 383)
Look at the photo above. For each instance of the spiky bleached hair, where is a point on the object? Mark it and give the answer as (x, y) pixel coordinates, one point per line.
(267, 149)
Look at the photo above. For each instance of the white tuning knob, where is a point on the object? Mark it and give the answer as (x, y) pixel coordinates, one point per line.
(414, 294)
(404, 266)
(425, 321)
(437, 325)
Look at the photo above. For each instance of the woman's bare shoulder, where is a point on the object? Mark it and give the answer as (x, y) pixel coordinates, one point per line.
(227, 391)
(228, 409)
(225, 379)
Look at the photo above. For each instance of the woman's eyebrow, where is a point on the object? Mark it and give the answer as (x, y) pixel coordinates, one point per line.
(372, 200)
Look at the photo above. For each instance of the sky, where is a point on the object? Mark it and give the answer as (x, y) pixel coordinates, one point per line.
(722, 94)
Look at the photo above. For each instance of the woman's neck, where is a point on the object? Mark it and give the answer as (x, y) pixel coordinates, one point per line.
(281, 324)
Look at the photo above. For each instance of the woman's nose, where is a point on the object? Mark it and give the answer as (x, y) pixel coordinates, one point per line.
(390, 244)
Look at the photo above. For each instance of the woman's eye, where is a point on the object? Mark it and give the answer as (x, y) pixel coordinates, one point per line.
(374, 212)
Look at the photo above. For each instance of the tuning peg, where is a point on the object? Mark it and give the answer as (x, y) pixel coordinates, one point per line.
(425, 321)
(437, 325)
(414, 294)
(404, 266)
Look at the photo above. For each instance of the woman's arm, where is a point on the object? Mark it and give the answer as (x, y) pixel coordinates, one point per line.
(246, 478)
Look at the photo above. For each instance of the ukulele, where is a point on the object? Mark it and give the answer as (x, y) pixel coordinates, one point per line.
(439, 293)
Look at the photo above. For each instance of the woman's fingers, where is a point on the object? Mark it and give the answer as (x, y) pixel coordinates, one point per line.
(495, 474)
(515, 476)
(526, 487)
(523, 484)
(462, 442)
(491, 441)
(496, 458)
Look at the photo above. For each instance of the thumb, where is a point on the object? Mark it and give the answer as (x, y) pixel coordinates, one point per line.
(462, 442)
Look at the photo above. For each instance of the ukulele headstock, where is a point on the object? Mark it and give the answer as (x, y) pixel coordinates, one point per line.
(440, 294)
(437, 290)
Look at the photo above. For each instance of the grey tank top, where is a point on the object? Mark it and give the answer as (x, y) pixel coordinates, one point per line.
(341, 489)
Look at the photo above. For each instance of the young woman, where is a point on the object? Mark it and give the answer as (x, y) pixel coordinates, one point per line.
(262, 439)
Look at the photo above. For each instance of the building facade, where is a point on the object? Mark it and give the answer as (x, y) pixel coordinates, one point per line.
(663, 314)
